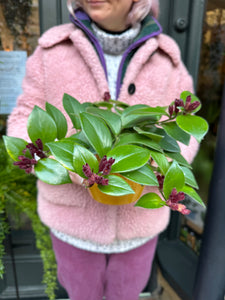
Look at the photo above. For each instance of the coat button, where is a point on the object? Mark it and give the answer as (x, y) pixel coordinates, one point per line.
(131, 89)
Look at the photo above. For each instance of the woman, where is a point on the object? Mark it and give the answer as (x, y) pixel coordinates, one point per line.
(116, 47)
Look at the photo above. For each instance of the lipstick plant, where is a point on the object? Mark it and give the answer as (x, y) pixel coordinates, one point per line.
(112, 142)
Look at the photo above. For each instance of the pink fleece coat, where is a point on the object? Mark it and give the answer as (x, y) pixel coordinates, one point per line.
(66, 62)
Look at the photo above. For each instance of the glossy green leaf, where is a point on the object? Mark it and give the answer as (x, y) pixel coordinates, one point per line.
(193, 125)
(179, 158)
(191, 193)
(158, 110)
(134, 138)
(82, 139)
(104, 104)
(189, 177)
(150, 200)
(63, 153)
(169, 144)
(161, 161)
(73, 108)
(174, 178)
(144, 176)
(154, 136)
(128, 158)
(176, 132)
(14, 146)
(111, 119)
(59, 119)
(137, 114)
(52, 172)
(97, 133)
(117, 187)
(132, 108)
(40, 125)
(184, 96)
(81, 156)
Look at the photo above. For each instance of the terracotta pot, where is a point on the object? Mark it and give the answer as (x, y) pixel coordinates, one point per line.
(117, 200)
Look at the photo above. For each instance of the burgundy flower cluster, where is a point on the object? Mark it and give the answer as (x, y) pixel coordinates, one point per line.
(188, 107)
(104, 169)
(173, 200)
(36, 152)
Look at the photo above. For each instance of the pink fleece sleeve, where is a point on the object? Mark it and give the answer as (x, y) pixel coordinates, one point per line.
(33, 94)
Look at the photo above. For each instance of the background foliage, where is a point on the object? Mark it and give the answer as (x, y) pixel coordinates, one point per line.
(18, 197)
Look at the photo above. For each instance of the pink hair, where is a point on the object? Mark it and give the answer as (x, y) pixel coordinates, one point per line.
(139, 11)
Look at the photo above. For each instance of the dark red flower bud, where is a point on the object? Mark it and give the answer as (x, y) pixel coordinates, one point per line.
(102, 163)
(179, 102)
(25, 163)
(111, 161)
(105, 165)
(188, 99)
(98, 179)
(104, 181)
(170, 109)
(107, 97)
(39, 144)
(193, 106)
(160, 179)
(87, 170)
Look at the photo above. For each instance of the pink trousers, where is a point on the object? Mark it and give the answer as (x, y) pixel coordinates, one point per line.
(90, 276)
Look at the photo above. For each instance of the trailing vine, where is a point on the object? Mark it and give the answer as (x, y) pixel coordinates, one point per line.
(18, 197)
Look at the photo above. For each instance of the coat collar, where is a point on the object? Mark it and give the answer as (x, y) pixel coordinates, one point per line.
(61, 33)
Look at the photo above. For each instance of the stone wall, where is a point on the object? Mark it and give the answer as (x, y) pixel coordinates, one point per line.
(20, 38)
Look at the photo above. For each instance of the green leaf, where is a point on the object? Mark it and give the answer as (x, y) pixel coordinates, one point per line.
(103, 104)
(161, 161)
(154, 136)
(59, 119)
(191, 193)
(184, 96)
(138, 113)
(193, 125)
(134, 138)
(169, 144)
(116, 187)
(52, 172)
(189, 177)
(178, 157)
(40, 125)
(144, 176)
(14, 146)
(82, 139)
(81, 156)
(97, 133)
(63, 153)
(132, 108)
(174, 178)
(128, 158)
(150, 200)
(176, 132)
(73, 108)
(111, 119)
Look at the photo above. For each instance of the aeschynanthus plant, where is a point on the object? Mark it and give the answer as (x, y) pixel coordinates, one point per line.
(113, 141)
